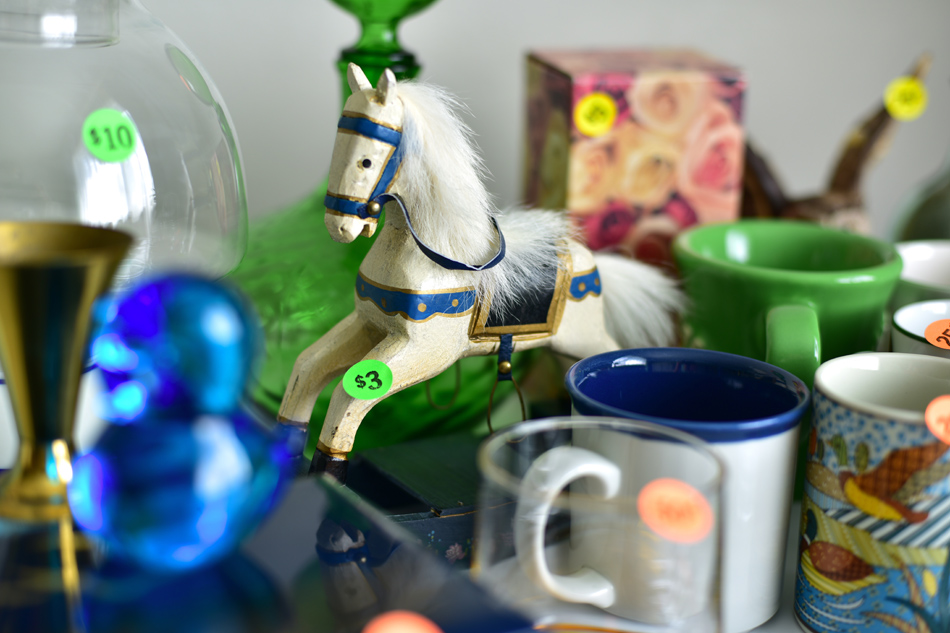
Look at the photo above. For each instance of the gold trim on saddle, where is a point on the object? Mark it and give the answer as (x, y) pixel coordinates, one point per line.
(480, 331)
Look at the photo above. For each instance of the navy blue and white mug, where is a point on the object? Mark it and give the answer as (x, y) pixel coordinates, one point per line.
(749, 412)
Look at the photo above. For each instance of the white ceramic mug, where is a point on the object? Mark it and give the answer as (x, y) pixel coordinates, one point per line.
(749, 412)
(586, 520)
(910, 323)
(926, 272)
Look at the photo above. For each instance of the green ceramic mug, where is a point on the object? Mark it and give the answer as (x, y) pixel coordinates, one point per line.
(790, 293)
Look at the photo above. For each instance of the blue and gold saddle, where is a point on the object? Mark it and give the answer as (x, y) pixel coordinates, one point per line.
(536, 313)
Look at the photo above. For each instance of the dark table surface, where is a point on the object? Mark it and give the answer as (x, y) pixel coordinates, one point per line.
(324, 561)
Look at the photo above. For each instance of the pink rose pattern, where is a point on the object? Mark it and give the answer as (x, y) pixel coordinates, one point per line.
(709, 176)
(607, 228)
(684, 129)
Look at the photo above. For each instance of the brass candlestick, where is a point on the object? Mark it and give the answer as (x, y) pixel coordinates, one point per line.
(50, 274)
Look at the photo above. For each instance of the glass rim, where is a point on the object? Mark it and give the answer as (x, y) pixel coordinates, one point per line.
(908, 249)
(891, 263)
(707, 430)
(899, 320)
(498, 476)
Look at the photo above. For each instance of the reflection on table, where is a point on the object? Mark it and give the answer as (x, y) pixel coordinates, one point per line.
(323, 562)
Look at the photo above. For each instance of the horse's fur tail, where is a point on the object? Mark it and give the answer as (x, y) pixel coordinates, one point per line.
(640, 302)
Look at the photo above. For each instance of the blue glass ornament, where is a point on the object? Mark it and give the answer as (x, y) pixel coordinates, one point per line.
(173, 494)
(175, 346)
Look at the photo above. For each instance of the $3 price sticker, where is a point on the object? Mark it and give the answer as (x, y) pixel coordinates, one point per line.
(368, 379)
(675, 511)
(109, 135)
(937, 417)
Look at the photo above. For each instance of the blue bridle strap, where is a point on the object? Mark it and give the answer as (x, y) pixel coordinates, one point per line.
(358, 208)
(376, 132)
(349, 207)
(370, 129)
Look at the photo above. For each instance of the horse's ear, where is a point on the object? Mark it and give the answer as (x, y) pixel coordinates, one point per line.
(386, 87)
(356, 78)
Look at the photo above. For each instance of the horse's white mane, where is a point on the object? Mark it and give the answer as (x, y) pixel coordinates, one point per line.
(442, 182)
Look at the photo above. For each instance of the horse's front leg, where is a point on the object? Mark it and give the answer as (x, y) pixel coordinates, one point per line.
(411, 362)
(331, 355)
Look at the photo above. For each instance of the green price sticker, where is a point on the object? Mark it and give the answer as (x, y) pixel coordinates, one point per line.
(109, 135)
(368, 380)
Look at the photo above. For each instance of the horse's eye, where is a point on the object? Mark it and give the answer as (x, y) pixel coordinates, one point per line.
(366, 163)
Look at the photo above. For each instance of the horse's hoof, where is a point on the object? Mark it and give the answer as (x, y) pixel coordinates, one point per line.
(333, 466)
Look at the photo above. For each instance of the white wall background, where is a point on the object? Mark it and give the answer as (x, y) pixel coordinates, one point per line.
(814, 67)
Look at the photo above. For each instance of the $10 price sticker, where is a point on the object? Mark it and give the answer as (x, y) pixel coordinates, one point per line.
(368, 379)
(109, 135)
(674, 510)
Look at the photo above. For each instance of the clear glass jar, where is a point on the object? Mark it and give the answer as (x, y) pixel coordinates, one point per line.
(179, 189)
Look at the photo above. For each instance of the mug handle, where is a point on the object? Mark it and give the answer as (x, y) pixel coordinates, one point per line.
(547, 476)
(792, 341)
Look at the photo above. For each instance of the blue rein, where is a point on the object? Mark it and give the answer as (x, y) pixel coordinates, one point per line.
(380, 195)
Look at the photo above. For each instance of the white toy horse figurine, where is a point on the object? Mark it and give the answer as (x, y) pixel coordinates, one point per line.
(458, 279)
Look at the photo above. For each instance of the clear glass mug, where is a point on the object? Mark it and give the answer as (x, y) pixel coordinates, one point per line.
(594, 522)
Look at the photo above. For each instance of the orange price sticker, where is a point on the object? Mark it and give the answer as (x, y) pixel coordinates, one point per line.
(400, 621)
(938, 333)
(675, 510)
(937, 417)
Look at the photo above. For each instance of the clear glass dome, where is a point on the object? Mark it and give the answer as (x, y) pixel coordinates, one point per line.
(163, 164)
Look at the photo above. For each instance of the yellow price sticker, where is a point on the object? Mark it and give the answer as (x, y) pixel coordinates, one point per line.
(905, 98)
(595, 114)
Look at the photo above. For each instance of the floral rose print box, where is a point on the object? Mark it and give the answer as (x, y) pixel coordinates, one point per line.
(636, 144)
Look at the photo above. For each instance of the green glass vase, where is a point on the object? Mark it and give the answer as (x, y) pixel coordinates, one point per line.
(302, 282)
(378, 47)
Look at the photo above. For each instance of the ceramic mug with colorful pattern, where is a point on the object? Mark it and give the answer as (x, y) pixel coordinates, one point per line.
(875, 527)
(793, 294)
